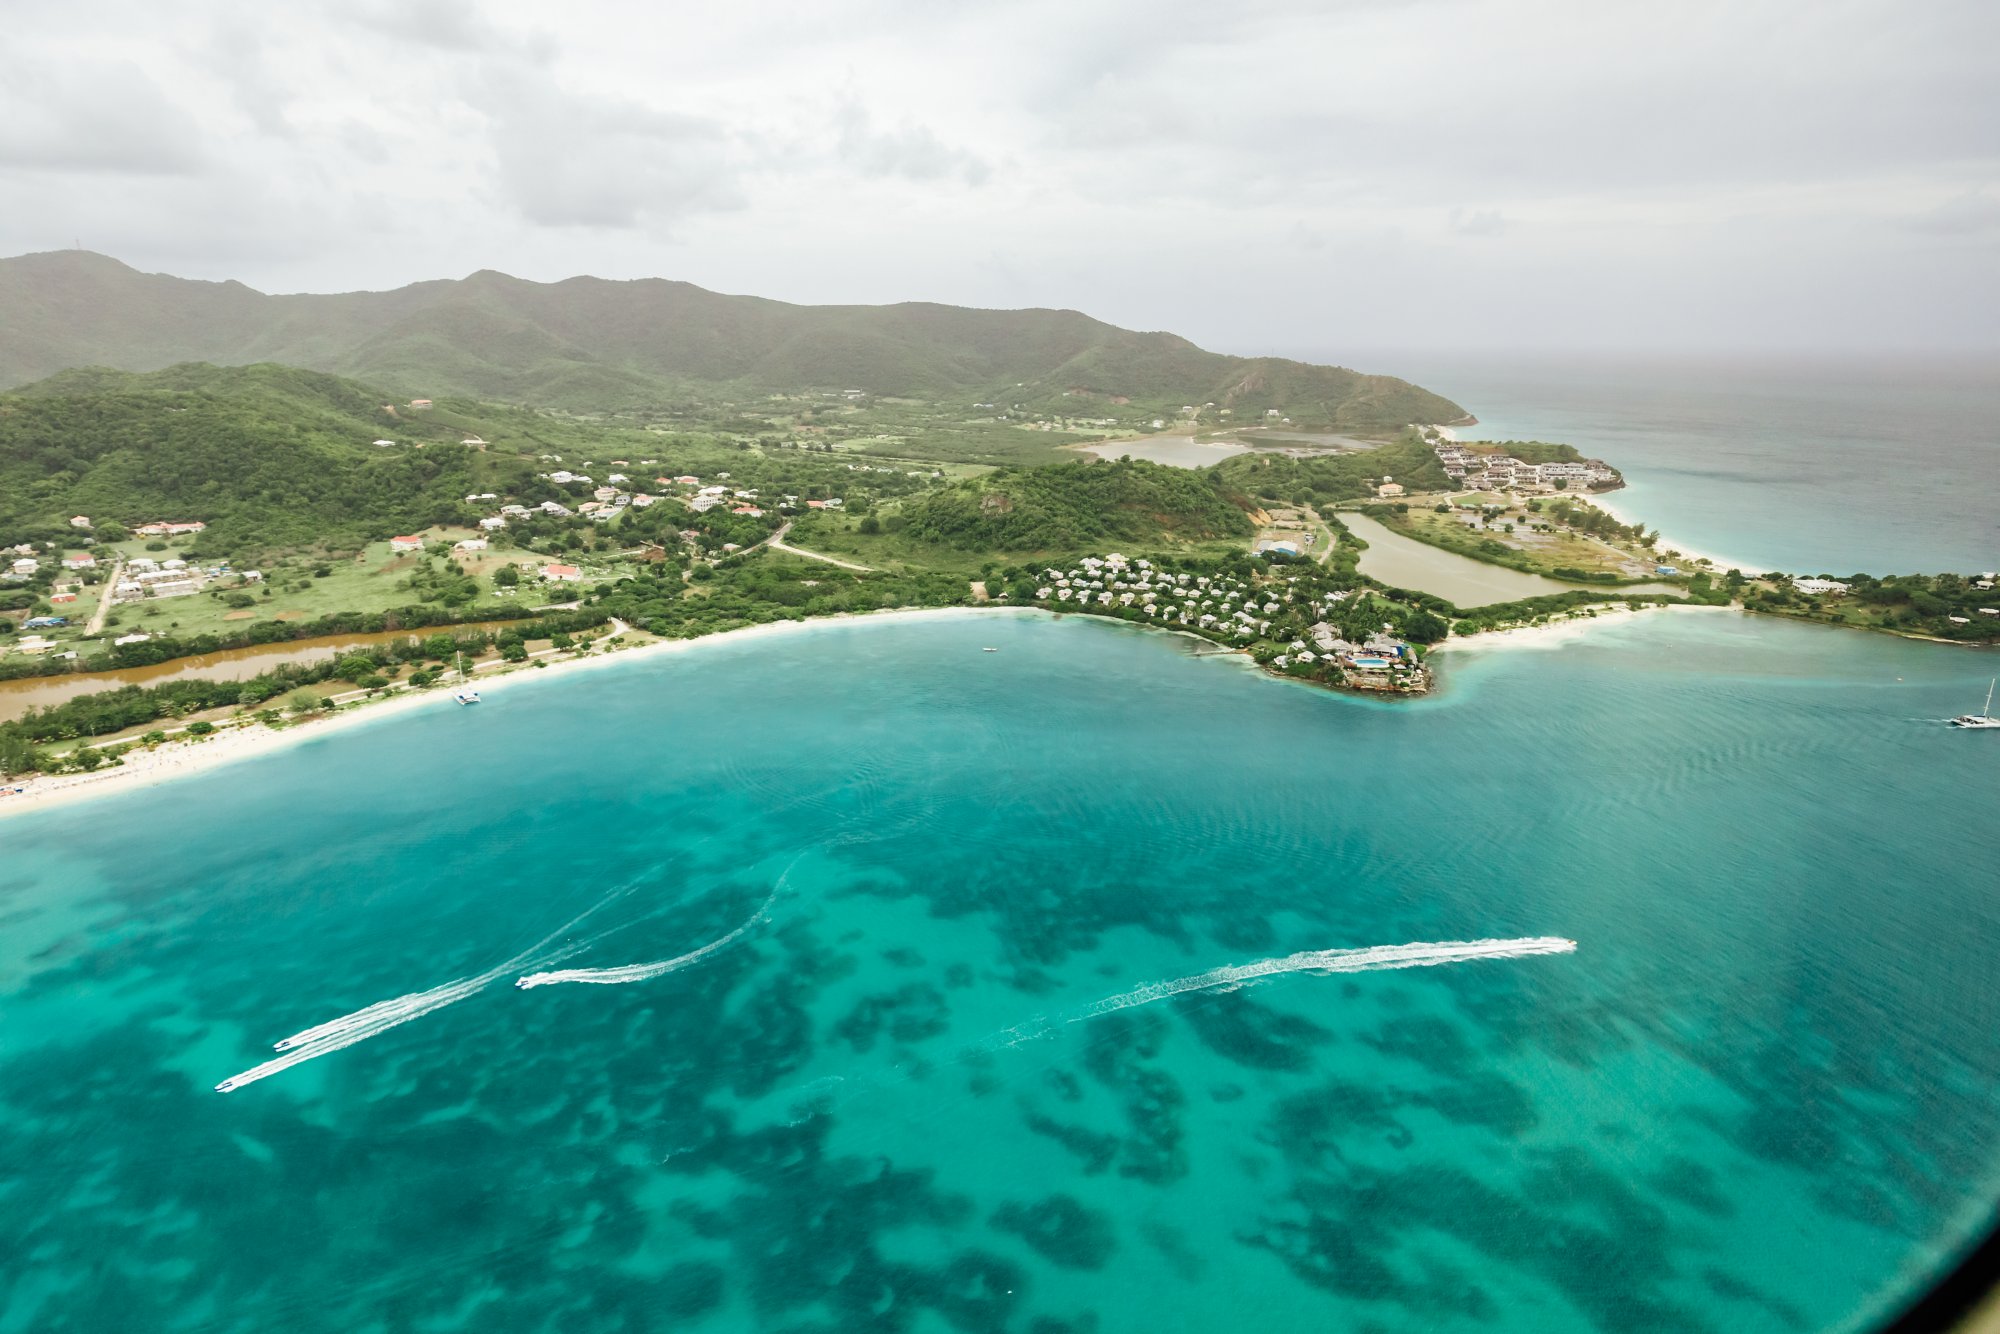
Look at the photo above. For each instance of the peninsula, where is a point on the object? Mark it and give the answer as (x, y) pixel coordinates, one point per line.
(202, 547)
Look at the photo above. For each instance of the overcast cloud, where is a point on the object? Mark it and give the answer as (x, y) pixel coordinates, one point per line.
(1314, 178)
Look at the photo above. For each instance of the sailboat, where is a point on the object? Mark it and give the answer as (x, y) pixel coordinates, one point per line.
(1984, 718)
(465, 694)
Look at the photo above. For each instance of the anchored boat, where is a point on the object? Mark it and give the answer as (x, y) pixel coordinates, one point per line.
(1984, 718)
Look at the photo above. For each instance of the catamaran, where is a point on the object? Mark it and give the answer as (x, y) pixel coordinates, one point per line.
(1984, 718)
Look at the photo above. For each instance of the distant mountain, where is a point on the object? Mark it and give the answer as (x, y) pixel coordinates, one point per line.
(590, 343)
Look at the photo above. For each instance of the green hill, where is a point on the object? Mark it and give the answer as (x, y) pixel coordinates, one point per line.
(269, 456)
(1077, 506)
(1326, 478)
(593, 344)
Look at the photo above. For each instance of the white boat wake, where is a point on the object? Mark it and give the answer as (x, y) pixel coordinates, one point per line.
(374, 1020)
(641, 972)
(1374, 958)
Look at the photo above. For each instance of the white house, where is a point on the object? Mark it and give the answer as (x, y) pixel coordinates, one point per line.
(1814, 587)
(469, 544)
(493, 523)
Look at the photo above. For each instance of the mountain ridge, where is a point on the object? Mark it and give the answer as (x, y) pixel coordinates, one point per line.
(612, 344)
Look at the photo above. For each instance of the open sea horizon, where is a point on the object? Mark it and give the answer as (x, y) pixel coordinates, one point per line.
(1880, 464)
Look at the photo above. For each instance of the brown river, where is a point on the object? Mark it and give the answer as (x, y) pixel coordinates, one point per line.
(236, 664)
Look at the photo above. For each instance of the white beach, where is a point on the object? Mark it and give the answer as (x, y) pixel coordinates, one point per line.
(246, 739)
(1566, 627)
(1688, 554)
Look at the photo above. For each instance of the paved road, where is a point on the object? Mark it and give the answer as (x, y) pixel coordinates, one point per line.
(777, 543)
(104, 603)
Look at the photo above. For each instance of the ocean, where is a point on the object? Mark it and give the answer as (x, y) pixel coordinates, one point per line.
(1830, 466)
(886, 983)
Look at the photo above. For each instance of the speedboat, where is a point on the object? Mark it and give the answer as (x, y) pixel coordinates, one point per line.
(467, 697)
(1984, 718)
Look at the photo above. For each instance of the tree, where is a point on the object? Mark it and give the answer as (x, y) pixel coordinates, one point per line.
(18, 755)
(507, 576)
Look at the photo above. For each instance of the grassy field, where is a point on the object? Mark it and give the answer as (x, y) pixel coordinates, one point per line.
(1512, 537)
(372, 580)
(840, 535)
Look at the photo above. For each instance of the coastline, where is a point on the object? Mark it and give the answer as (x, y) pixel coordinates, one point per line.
(1721, 564)
(248, 739)
(1566, 627)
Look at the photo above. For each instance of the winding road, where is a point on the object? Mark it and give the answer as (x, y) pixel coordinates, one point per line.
(777, 543)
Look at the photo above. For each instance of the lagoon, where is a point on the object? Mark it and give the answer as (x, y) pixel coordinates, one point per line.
(1174, 451)
(917, 1057)
(1404, 562)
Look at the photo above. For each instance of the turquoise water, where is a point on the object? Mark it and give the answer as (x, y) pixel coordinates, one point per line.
(1758, 1097)
(1829, 466)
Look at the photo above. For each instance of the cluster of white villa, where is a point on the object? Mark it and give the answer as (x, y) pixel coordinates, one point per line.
(1220, 604)
(144, 577)
(1379, 662)
(1503, 472)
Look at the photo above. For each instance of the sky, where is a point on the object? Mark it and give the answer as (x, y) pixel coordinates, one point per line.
(1324, 179)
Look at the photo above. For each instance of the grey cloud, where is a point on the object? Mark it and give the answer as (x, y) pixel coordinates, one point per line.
(1478, 222)
(1973, 214)
(260, 91)
(912, 152)
(448, 25)
(572, 160)
(94, 117)
(1391, 104)
(1251, 174)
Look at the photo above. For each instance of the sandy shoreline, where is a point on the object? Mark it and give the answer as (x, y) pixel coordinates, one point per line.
(234, 741)
(1566, 627)
(247, 739)
(1722, 564)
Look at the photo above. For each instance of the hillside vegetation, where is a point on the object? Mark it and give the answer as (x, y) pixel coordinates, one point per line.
(1075, 506)
(1326, 478)
(268, 456)
(613, 346)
